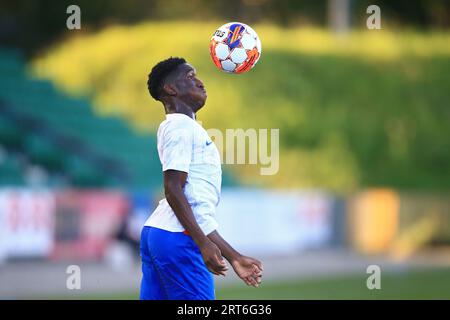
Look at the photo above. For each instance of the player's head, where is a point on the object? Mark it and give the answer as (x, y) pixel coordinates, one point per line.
(174, 78)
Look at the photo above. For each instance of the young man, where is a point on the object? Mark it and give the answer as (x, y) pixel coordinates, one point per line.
(180, 246)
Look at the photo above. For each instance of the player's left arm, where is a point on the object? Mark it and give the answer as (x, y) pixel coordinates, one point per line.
(247, 268)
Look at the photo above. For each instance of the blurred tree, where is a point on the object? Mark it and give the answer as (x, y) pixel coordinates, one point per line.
(417, 13)
(339, 16)
(34, 24)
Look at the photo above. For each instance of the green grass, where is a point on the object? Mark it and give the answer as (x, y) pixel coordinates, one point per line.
(428, 284)
(414, 285)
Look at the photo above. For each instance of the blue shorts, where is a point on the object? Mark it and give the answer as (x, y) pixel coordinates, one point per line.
(173, 267)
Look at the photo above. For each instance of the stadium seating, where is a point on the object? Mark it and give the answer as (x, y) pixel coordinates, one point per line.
(71, 118)
(10, 171)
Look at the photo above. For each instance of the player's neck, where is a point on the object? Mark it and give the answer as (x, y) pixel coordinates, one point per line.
(179, 107)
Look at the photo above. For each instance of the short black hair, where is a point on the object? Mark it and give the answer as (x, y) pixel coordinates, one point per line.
(159, 73)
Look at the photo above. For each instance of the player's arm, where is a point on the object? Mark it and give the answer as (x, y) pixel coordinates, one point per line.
(247, 268)
(173, 187)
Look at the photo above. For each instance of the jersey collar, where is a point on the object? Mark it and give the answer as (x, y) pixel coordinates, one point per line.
(178, 115)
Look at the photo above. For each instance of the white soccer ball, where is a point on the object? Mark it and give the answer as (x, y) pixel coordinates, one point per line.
(235, 47)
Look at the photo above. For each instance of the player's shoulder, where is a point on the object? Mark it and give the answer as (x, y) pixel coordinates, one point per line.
(176, 123)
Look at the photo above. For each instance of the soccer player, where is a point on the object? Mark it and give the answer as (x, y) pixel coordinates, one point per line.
(180, 245)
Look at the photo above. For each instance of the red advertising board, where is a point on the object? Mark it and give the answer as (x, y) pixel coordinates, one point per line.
(26, 223)
(86, 221)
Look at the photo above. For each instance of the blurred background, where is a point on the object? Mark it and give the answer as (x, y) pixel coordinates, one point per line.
(363, 115)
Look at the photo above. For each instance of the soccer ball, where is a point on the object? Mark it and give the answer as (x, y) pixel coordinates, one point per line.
(235, 47)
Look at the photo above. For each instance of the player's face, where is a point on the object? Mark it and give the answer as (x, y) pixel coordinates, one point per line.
(190, 88)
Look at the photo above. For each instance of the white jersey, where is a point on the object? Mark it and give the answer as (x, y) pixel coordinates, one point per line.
(184, 145)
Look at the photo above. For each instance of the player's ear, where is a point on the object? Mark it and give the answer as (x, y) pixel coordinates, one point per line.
(169, 89)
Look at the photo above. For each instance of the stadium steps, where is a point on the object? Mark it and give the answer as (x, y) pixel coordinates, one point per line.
(72, 117)
(51, 149)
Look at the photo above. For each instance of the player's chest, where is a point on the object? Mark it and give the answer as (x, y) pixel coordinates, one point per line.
(204, 149)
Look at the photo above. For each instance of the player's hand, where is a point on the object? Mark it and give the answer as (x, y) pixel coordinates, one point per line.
(249, 270)
(213, 258)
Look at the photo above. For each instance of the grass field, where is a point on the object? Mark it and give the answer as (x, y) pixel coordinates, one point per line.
(429, 284)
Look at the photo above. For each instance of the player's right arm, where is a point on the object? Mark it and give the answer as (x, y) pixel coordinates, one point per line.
(247, 268)
(173, 188)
